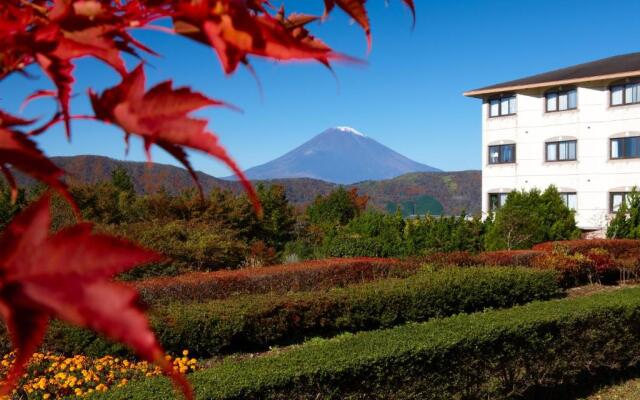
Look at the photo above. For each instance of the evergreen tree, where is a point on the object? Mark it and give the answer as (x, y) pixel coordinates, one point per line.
(531, 217)
(626, 222)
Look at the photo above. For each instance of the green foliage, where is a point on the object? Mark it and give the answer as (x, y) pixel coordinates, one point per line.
(190, 246)
(121, 180)
(541, 350)
(626, 223)
(9, 208)
(249, 323)
(531, 217)
(444, 234)
(335, 209)
(372, 234)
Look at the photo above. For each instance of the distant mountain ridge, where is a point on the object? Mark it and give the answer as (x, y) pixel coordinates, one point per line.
(339, 155)
(450, 192)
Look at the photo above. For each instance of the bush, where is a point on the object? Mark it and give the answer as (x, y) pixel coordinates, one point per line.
(310, 275)
(251, 323)
(616, 247)
(519, 258)
(371, 234)
(531, 217)
(574, 269)
(190, 246)
(541, 350)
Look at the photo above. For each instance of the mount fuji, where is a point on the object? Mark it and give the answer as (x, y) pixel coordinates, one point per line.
(340, 155)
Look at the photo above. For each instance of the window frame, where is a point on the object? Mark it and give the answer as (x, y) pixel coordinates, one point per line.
(499, 202)
(566, 203)
(500, 99)
(624, 199)
(557, 143)
(558, 93)
(624, 93)
(621, 148)
(500, 146)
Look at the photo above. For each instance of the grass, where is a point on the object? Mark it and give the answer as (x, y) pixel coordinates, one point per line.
(625, 390)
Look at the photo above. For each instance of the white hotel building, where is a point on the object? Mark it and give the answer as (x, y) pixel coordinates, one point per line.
(577, 128)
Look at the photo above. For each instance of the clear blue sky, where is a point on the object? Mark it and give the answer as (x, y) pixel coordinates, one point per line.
(409, 96)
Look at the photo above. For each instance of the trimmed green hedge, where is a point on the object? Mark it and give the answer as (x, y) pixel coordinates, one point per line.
(540, 350)
(252, 323)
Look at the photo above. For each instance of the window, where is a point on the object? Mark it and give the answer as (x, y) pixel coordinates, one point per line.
(502, 154)
(497, 200)
(625, 94)
(561, 151)
(616, 200)
(562, 100)
(570, 200)
(502, 106)
(626, 147)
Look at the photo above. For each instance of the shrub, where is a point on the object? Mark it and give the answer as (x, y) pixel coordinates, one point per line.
(520, 258)
(531, 217)
(574, 269)
(250, 323)
(310, 275)
(523, 258)
(616, 247)
(454, 258)
(189, 245)
(541, 350)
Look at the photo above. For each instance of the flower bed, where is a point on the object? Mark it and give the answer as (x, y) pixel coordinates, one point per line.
(310, 275)
(52, 376)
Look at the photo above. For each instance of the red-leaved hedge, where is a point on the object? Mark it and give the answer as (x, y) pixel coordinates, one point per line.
(309, 275)
(615, 247)
(522, 258)
(578, 261)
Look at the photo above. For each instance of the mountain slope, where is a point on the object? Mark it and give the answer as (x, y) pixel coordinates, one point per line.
(340, 155)
(450, 192)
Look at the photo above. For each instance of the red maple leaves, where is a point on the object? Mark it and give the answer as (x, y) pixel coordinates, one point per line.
(160, 116)
(66, 275)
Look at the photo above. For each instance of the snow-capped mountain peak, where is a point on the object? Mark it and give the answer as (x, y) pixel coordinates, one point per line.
(348, 129)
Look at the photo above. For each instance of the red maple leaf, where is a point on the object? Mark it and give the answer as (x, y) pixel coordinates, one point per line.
(20, 152)
(357, 11)
(65, 276)
(161, 117)
(238, 29)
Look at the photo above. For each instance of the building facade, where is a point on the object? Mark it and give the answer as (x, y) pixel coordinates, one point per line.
(577, 128)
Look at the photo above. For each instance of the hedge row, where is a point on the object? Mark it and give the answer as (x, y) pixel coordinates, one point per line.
(310, 275)
(577, 261)
(540, 350)
(616, 247)
(253, 323)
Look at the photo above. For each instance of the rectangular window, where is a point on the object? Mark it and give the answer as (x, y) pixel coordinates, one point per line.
(627, 147)
(502, 106)
(625, 94)
(616, 200)
(497, 200)
(502, 154)
(570, 200)
(561, 151)
(562, 101)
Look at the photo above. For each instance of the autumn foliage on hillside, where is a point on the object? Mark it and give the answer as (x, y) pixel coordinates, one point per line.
(65, 275)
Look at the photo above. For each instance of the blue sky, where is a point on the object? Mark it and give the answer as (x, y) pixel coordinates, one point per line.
(408, 96)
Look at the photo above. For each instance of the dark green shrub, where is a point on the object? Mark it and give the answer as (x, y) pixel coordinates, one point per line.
(251, 323)
(542, 350)
(531, 217)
